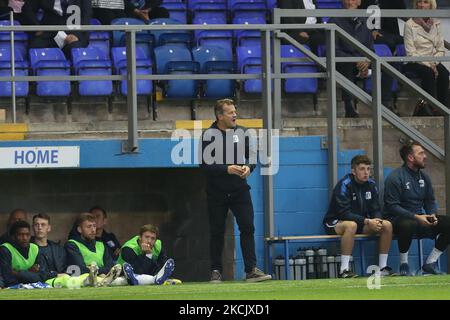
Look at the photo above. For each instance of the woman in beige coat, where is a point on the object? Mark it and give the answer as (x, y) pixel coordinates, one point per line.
(423, 37)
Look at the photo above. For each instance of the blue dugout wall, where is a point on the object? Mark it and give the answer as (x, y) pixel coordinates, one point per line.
(300, 187)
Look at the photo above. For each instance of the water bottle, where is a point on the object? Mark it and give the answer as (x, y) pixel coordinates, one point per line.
(291, 267)
(302, 274)
(322, 254)
(279, 268)
(331, 267)
(310, 265)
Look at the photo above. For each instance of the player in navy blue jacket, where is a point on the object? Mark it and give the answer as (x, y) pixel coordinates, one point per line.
(410, 204)
(355, 209)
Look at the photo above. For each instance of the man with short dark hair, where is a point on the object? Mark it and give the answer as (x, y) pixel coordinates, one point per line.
(54, 255)
(108, 238)
(355, 209)
(90, 255)
(20, 260)
(410, 205)
(144, 260)
(227, 187)
(14, 216)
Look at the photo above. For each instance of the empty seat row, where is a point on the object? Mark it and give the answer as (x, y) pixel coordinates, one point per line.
(85, 62)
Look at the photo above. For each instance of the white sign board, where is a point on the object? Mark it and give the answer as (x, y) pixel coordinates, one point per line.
(40, 157)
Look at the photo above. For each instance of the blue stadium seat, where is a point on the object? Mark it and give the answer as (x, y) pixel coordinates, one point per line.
(194, 4)
(175, 59)
(322, 50)
(381, 50)
(20, 38)
(248, 9)
(143, 67)
(300, 85)
(215, 60)
(21, 69)
(249, 62)
(216, 38)
(177, 10)
(99, 39)
(50, 62)
(144, 39)
(328, 4)
(245, 38)
(163, 37)
(271, 4)
(89, 62)
(208, 14)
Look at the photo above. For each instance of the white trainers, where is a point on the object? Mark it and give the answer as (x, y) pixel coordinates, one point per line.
(165, 272)
(112, 275)
(91, 280)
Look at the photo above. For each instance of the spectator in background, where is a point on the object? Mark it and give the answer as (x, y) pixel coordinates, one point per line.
(108, 238)
(410, 205)
(54, 255)
(144, 260)
(357, 27)
(55, 13)
(423, 37)
(310, 37)
(355, 209)
(4, 10)
(389, 32)
(108, 10)
(146, 9)
(14, 216)
(6, 6)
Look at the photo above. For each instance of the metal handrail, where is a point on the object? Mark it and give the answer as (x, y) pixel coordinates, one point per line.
(379, 111)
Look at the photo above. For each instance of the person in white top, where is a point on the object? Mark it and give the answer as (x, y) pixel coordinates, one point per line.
(423, 37)
(312, 38)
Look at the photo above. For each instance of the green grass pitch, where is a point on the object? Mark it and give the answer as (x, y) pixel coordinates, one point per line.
(430, 287)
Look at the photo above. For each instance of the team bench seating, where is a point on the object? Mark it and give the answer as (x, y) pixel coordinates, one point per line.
(323, 238)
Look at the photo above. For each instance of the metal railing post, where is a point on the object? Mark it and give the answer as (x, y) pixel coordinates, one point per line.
(131, 145)
(332, 112)
(447, 161)
(268, 125)
(277, 115)
(13, 71)
(377, 126)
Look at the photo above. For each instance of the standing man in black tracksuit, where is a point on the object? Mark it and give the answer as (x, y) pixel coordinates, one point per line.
(355, 209)
(225, 158)
(410, 204)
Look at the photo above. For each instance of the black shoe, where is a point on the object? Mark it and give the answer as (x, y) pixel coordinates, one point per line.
(431, 268)
(352, 114)
(387, 272)
(404, 270)
(347, 274)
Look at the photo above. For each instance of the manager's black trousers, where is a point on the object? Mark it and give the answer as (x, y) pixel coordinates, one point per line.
(241, 205)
